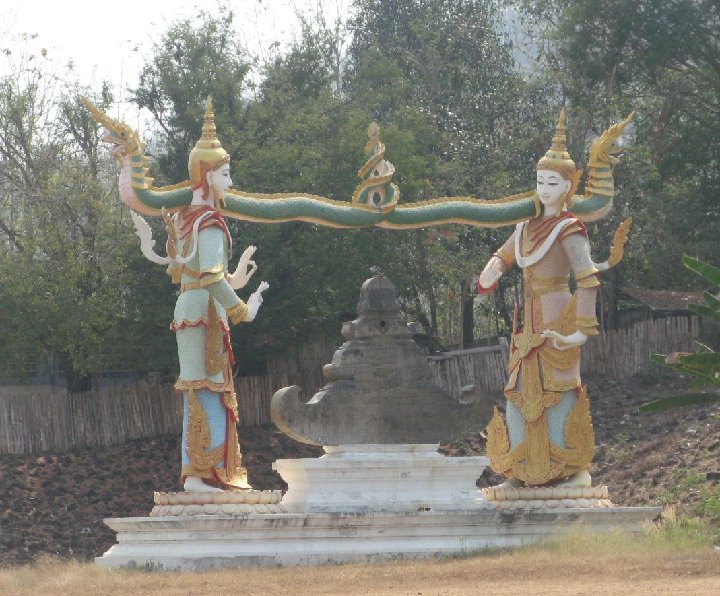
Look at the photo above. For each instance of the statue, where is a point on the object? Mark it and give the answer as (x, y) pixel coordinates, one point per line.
(547, 436)
(198, 248)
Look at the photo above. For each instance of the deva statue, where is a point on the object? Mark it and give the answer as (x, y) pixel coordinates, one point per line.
(547, 436)
(198, 248)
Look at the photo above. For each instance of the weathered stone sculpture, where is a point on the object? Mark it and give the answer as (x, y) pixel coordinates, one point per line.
(380, 388)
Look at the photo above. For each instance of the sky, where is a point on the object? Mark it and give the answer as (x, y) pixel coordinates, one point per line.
(110, 41)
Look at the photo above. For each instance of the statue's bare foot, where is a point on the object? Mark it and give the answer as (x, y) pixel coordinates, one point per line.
(581, 479)
(194, 484)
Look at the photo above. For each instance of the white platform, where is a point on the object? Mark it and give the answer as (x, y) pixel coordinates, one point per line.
(213, 541)
(357, 503)
(381, 478)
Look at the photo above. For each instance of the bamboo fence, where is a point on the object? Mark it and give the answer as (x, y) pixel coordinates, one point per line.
(59, 421)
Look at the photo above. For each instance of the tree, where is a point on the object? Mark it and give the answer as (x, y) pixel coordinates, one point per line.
(193, 59)
(447, 65)
(66, 241)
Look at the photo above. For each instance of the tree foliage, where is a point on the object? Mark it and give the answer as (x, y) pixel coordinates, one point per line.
(661, 59)
(66, 243)
(458, 114)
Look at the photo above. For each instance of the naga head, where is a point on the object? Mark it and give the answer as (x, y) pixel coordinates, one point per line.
(208, 154)
(557, 176)
(125, 140)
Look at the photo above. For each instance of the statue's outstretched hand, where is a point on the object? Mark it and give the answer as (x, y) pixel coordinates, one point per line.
(244, 270)
(255, 301)
(603, 151)
(564, 342)
(489, 277)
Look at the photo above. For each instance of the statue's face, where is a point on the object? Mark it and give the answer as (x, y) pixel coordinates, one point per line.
(219, 180)
(552, 188)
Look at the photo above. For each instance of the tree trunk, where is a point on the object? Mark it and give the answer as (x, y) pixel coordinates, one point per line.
(468, 318)
(612, 281)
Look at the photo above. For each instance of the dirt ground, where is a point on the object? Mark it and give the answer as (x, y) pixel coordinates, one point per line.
(54, 503)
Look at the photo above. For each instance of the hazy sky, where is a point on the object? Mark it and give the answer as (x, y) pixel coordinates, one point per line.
(110, 40)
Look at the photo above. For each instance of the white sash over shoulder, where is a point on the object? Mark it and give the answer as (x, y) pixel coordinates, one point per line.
(541, 251)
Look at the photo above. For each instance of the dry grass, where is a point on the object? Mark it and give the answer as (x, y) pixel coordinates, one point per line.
(671, 561)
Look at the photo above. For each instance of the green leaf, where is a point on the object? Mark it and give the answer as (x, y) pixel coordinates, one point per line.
(712, 274)
(658, 358)
(676, 401)
(712, 301)
(705, 360)
(704, 311)
(701, 347)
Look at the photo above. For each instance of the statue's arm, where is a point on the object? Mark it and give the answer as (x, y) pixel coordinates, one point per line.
(211, 253)
(577, 249)
(497, 266)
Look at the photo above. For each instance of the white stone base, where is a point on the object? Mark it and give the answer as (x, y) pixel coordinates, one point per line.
(547, 497)
(382, 478)
(209, 542)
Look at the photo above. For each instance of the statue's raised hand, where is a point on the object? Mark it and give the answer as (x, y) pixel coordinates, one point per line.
(603, 150)
(244, 270)
(255, 301)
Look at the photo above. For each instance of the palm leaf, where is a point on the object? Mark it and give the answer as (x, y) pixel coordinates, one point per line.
(703, 311)
(712, 301)
(676, 401)
(701, 348)
(712, 274)
(706, 361)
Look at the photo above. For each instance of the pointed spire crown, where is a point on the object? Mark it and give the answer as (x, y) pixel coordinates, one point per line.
(208, 153)
(557, 157)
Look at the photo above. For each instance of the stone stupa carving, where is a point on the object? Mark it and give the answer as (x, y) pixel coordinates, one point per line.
(380, 387)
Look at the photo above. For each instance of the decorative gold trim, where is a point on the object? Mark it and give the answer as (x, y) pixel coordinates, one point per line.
(579, 436)
(498, 443)
(172, 238)
(589, 282)
(191, 272)
(183, 385)
(214, 269)
(237, 313)
(586, 321)
(573, 228)
(230, 401)
(579, 275)
(202, 459)
(506, 256)
(588, 325)
(216, 358)
(204, 282)
(196, 323)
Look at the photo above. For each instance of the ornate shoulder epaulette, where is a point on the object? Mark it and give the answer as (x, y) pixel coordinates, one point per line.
(576, 227)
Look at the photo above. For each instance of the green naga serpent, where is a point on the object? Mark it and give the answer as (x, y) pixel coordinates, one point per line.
(375, 201)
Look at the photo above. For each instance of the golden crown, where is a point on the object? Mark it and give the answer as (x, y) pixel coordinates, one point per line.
(557, 157)
(207, 151)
